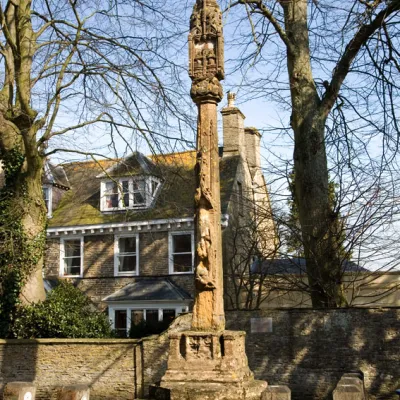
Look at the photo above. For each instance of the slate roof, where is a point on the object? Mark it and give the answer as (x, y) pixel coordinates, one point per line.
(149, 289)
(135, 164)
(81, 204)
(294, 265)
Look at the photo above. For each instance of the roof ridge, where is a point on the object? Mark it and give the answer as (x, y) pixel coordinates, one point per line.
(118, 159)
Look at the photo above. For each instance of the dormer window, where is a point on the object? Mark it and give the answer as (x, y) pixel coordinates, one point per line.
(128, 193)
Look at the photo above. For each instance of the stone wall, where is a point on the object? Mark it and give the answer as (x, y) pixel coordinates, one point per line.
(110, 367)
(308, 350)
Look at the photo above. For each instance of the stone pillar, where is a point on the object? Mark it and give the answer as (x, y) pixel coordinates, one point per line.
(74, 392)
(19, 391)
(206, 69)
(350, 387)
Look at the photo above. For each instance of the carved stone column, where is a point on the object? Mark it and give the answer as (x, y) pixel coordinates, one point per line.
(207, 362)
(206, 68)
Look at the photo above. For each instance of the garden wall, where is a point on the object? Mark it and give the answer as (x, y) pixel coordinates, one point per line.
(308, 350)
(110, 367)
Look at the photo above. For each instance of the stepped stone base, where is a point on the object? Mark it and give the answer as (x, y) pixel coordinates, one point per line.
(194, 391)
(208, 366)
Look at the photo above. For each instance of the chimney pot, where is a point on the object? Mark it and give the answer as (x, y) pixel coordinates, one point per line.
(231, 99)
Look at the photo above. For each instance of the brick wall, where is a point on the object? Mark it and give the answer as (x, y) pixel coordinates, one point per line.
(153, 258)
(110, 367)
(98, 260)
(98, 270)
(52, 258)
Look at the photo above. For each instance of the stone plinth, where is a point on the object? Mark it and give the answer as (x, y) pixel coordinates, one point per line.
(74, 392)
(208, 366)
(350, 387)
(19, 391)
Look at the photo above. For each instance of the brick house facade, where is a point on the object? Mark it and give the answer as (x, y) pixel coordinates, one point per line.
(123, 230)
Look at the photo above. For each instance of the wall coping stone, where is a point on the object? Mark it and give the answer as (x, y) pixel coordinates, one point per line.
(17, 342)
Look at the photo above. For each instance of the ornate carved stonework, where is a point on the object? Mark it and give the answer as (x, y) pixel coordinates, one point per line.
(206, 51)
(206, 68)
(207, 362)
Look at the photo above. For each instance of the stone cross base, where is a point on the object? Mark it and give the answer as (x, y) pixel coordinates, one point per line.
(208, 366)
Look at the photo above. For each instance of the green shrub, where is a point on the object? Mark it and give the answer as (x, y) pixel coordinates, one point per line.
(66, 313)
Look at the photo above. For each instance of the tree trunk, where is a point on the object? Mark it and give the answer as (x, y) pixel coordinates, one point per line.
(311, 175)
(22, 231)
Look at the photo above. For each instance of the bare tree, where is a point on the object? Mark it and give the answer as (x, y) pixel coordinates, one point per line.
(334, 67)
(70, 69)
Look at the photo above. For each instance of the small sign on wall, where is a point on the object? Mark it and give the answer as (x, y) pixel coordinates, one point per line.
(261, 325)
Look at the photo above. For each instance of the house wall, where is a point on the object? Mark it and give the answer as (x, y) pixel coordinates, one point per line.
(308, 350)
(362, 289)
(98, 279)
(248, 233)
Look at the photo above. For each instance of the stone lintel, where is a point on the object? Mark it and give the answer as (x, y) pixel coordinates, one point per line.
(19, 391)
(276, 392)
(74, 392)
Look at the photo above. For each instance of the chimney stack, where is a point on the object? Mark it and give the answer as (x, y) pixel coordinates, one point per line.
(233, 128)
(252, 142)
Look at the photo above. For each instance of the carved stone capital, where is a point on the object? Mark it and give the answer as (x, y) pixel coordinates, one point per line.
(207, 89)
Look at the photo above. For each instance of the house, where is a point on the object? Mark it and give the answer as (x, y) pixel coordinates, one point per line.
(123, 230)
(284, 282)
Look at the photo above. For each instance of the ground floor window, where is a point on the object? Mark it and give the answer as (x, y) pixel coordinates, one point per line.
(138, 322)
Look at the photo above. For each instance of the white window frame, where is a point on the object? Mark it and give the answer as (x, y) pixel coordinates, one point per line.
(178, 307)
(171, 254)
(49, 189)
(116, 255)
(149, 196)
(62, 255)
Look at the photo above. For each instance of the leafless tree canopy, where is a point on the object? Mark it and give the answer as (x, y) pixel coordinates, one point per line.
(333, 67)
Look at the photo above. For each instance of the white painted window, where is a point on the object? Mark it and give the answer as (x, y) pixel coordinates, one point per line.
(48, 198)
(126, 255)
(128, 193)
(181, 252)
(71, 257)
(124, 317)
